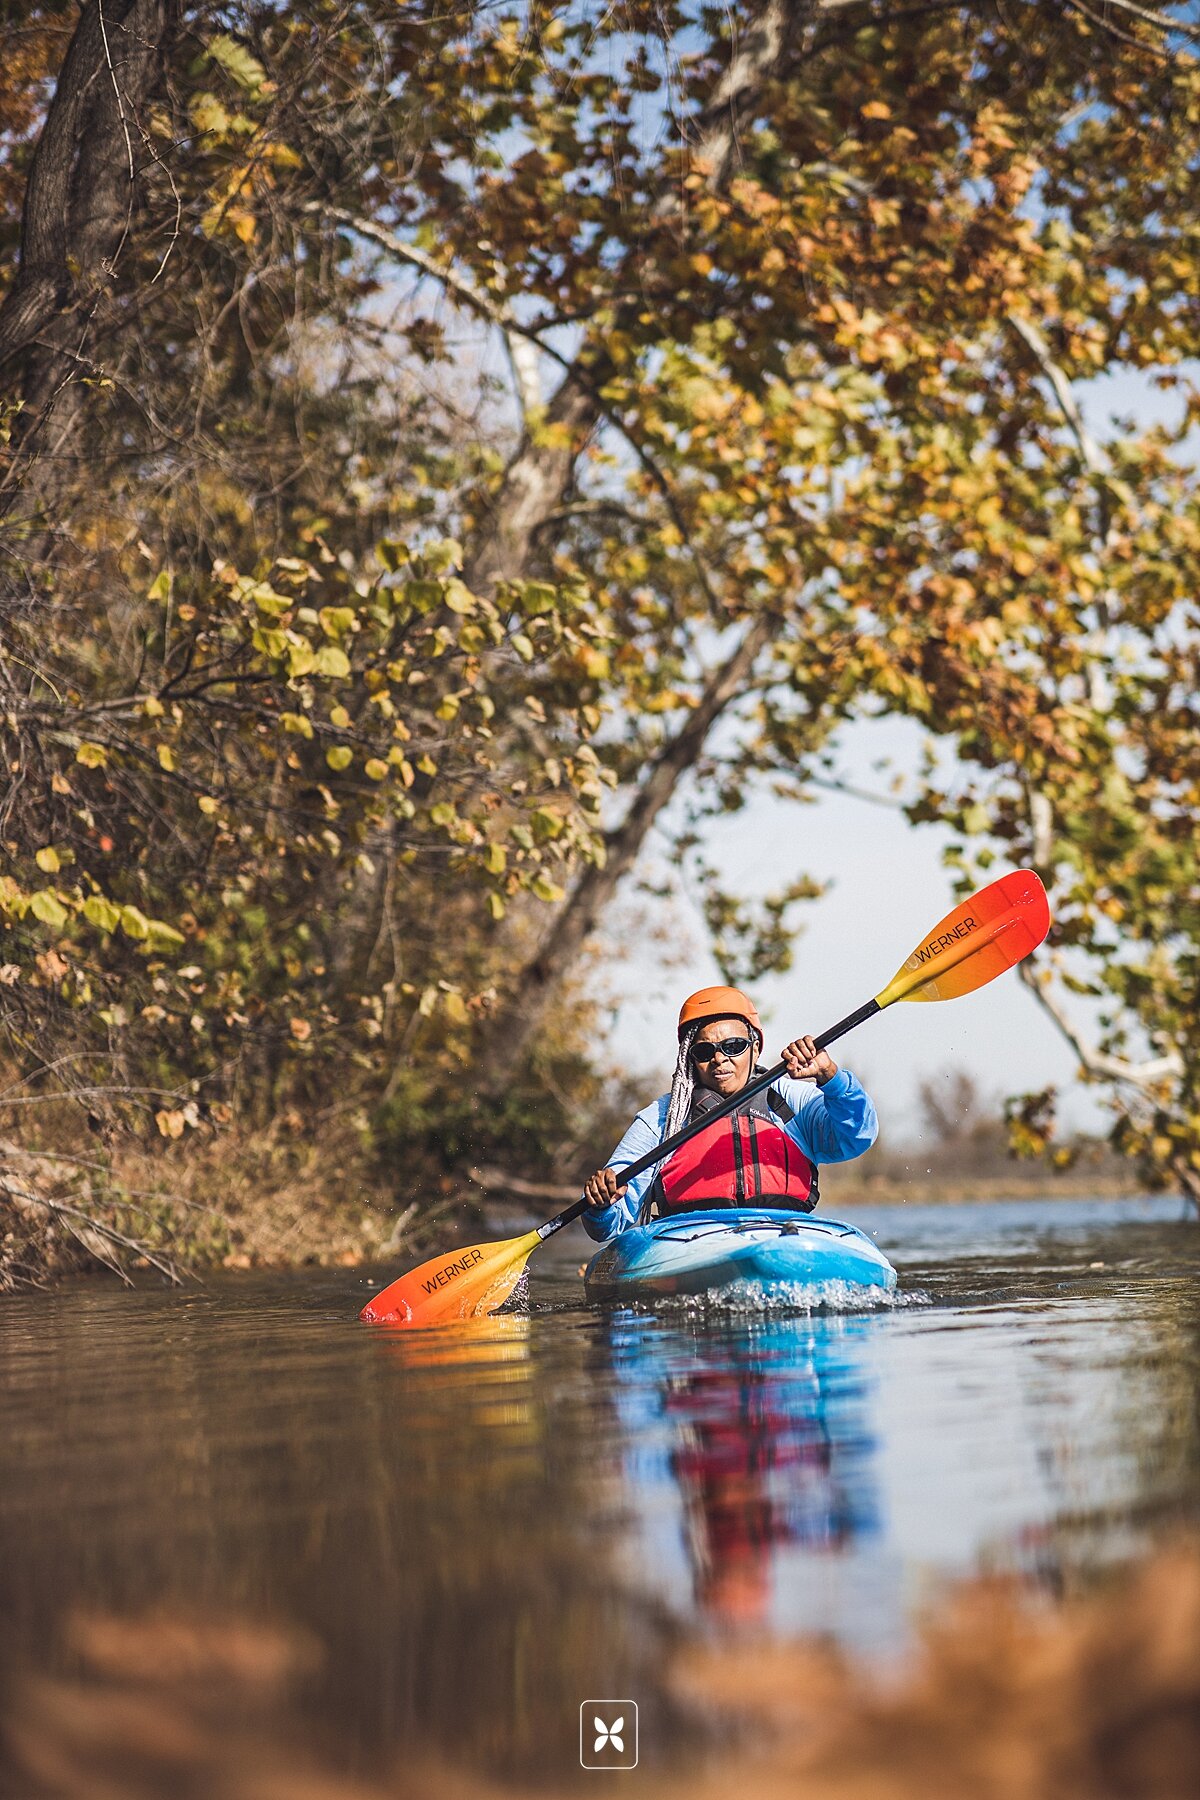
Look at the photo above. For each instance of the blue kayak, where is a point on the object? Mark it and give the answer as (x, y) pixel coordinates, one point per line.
(791, 1256)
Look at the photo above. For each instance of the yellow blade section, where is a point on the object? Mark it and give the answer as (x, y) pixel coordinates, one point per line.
(459, 1284)
(979, 940)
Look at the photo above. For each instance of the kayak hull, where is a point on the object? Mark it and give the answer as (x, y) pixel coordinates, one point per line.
(791, 1255)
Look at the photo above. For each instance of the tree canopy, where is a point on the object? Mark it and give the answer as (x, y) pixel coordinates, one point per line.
(433, 439)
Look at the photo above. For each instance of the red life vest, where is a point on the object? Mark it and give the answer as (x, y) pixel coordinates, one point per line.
(744, 1159)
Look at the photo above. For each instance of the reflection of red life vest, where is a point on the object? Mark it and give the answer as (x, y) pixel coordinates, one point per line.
(745, 1158)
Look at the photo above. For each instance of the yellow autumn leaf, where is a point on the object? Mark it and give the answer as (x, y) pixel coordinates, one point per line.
(134, 923)
(331, 661)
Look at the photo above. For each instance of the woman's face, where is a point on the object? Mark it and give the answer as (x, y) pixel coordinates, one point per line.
(724, 1074)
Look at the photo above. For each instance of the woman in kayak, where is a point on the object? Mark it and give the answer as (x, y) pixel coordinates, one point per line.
(764, 1153)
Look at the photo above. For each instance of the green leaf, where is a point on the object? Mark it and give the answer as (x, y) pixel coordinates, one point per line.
(270, 640)
(134, 923)
(332, 661)
(546, 824)
(391, 554)
(162, 935)
(339, 757)
(48, 908)
(47, 860)
(548, 890)
(269, 602)
(459, 598)
(207, 114)
(101, 913)
(423, 596)
(445, 554)
(336, 621)
(237, 62)
(296, 724)
(92, 756)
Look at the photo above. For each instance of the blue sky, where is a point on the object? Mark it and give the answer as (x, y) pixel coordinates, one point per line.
(887, 886)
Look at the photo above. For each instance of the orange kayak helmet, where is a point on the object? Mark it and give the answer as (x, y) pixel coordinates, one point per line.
(720, 1003)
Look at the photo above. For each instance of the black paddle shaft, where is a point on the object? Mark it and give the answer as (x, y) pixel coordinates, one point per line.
(710, 1118)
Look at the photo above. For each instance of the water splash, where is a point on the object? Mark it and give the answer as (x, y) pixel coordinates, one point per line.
(789, 1299)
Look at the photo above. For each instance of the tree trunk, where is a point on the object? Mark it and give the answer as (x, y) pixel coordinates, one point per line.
(521, 1018)
(533, 485)
(79, 204)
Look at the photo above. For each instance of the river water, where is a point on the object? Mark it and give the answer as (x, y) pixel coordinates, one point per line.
(486, 1526)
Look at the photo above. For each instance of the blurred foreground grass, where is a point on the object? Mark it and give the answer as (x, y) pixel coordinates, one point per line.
(1008, 1697)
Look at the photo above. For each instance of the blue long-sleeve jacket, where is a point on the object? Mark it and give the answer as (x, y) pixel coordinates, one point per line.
(831, 1124)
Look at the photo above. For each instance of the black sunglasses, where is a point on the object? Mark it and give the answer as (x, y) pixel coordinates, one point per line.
(704, 1053)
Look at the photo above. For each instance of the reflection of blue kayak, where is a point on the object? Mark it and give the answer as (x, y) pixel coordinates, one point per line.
(793, 1254)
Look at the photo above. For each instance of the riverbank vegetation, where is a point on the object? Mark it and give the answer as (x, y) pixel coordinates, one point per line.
(433, 442)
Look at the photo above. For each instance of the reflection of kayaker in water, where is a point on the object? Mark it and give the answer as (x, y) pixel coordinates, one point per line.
(762, 1425)
(754, 1471)
(765, 1153)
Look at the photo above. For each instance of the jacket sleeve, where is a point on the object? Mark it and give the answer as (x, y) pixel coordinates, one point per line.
(643, 1135)
(832, 1124)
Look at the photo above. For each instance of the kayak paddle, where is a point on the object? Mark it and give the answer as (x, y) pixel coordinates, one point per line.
(980, 939)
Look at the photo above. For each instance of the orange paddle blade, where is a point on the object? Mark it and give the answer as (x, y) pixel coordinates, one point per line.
(460, 1284)
(979, 940)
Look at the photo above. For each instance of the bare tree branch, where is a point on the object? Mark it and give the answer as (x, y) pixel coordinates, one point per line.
(1093, 458)
(1111, 30)
(1096, 464)
(523, 344)
(499, 1181)
(1177, 27)
(98, 1238)
(1098, 1062)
